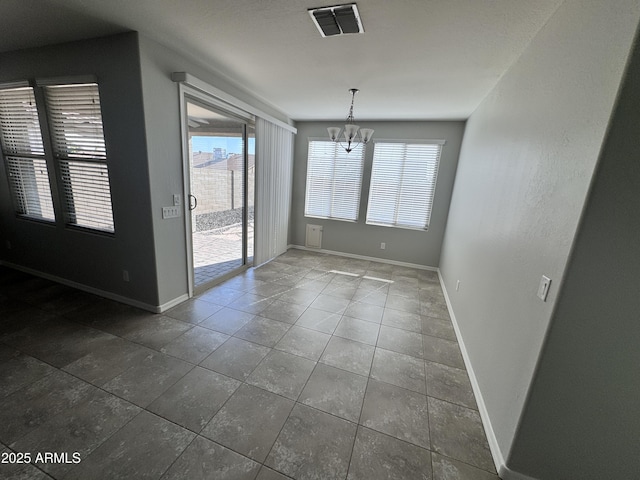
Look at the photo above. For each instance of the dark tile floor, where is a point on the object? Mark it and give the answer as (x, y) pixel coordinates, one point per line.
(310, 367)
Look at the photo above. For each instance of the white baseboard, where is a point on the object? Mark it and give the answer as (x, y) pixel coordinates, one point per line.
(172, 303)
(96, 291)
(505, 473)
(496, 453)
(363, 257)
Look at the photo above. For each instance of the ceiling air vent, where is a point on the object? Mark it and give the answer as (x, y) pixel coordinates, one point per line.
(338, 20)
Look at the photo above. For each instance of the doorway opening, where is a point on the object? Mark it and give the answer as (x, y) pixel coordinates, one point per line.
(221, 180)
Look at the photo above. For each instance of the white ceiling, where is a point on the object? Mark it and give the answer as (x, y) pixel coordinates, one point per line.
(418, 59)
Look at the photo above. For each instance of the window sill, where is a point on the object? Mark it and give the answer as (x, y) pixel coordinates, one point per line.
(333, 218)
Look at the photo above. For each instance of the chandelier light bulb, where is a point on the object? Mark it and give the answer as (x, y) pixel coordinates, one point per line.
(334, 133)
(350, 131)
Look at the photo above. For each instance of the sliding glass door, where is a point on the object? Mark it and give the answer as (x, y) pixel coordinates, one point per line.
(220, 188)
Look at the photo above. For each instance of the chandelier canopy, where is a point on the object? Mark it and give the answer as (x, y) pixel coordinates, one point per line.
(350, 130)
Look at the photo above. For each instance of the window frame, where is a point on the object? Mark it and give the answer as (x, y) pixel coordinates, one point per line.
(337, 154)
(92, 170)
(63, 160)
(17, 160)
(430, 168)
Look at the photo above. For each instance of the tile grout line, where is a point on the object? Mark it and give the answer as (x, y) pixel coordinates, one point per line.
(296, 401)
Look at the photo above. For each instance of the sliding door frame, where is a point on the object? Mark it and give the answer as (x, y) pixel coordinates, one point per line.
(197, 96)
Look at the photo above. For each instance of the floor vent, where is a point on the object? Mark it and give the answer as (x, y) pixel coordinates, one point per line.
(338, 20)
(314, 236)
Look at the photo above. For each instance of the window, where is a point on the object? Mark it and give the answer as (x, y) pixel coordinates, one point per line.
(74, 153)
(403, 182)
(77, 139)
(23, 153)
(334, 179)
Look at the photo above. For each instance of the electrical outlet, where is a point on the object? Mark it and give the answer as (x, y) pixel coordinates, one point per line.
(176, 200)
(125, 275)
(543, 289)
(170, 212)
(383, 246)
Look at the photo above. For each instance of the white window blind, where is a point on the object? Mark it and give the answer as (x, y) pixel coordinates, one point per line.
(403, 183)
(23, 152)
(334, 180)
(75, 123)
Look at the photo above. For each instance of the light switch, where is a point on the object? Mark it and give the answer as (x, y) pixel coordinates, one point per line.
(543, 289)
(170, 212)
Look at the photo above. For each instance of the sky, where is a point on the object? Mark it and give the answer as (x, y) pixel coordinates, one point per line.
(230, 144)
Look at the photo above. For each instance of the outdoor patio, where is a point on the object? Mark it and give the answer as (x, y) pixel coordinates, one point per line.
(219, 250)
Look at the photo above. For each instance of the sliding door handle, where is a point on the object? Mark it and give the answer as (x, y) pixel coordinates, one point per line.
(193, 202)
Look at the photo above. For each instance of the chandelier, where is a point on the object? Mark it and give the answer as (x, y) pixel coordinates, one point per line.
(350, 130)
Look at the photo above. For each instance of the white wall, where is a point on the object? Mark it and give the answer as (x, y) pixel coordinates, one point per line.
(583, 415)
(526, 163)
(402, 245)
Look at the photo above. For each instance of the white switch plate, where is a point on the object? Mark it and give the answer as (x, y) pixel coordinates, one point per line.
(383, 246)
(176, 200)
(170, 212)
(543, 289)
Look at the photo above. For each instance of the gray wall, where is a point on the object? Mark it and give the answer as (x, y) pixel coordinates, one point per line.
(526, 163)
(87, 258)
(402, 245)
(140, 107)
(583, 416)
(162, 117)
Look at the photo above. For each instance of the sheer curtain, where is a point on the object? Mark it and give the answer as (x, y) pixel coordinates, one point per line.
(274, 170)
